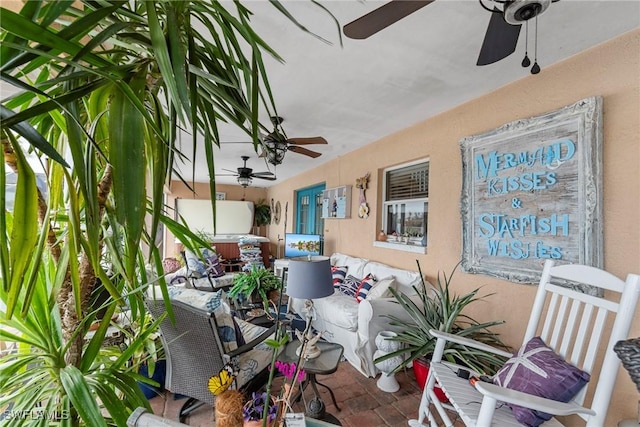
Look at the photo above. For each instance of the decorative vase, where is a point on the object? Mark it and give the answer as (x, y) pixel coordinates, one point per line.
(382, 237)
(387, 381)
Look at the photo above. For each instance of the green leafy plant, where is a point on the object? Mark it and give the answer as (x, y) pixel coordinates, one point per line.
(262, 213)
(104, 86)
(441, 309)
(255, 283)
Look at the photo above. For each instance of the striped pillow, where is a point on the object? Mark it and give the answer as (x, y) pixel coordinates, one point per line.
(339, 274)
(350, 286)
(365, 287)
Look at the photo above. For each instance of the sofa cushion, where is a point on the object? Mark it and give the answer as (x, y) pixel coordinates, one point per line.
(339, 310)
(381, 288)
(404, 279)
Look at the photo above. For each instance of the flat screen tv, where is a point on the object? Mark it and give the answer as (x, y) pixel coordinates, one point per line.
(301, 245)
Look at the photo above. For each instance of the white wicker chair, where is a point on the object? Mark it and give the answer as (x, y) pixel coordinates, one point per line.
(572, 324)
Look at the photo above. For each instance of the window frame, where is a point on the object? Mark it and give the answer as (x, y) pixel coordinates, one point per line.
(415, 244)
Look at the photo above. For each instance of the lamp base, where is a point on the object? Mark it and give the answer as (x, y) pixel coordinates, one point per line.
(311, 353)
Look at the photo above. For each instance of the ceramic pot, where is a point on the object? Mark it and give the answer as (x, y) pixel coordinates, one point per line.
(421, 371)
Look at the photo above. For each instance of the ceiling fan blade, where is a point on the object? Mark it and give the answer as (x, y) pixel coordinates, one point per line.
(304, 151)
(307, 141)
(262, 174)
(500, 40)
(268, 178)
(380, 18)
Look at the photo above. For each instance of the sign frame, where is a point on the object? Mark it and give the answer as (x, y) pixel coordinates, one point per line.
(532, 162)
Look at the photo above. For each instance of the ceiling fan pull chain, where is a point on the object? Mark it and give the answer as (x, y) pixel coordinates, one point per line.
(526, 61)
(536, 68)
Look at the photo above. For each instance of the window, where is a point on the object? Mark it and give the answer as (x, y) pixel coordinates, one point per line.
(406, 202)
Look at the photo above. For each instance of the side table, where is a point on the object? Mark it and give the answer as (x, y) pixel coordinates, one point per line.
(325, 364)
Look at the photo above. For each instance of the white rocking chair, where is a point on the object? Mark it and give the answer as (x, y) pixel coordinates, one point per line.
(572, 327)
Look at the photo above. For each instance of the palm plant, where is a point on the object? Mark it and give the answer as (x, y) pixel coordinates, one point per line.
(442, 310)
(103, 87)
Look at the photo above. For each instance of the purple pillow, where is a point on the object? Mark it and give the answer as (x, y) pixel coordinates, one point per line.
(213, 266)
(536, 369)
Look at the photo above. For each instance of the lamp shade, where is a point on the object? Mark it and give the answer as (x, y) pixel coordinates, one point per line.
(309, 278)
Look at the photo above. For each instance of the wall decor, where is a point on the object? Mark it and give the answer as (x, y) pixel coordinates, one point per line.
(532, 190)
(361, 184)
(221, 196)
(336, 202)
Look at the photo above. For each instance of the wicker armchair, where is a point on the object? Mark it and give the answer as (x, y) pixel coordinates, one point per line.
(195, 352)
(629, 353)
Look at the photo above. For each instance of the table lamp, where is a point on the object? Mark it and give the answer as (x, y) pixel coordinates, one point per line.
(309, 278)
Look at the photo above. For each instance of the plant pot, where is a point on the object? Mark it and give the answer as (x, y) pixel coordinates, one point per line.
(421, 371)
(158, 376)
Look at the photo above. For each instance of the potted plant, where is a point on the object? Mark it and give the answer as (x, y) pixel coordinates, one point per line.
(442, 310)
(256, 285)
(102, 89)
(262, 214)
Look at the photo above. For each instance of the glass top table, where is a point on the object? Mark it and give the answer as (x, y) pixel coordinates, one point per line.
(325, 364)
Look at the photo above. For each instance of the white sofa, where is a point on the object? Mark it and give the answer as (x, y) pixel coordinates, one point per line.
(355, 324)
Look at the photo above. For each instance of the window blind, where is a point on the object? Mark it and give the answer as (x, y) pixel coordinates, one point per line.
(411, 182)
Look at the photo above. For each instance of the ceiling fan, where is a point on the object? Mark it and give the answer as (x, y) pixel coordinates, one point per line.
(500, 39)
(245, 175)
(276, 144)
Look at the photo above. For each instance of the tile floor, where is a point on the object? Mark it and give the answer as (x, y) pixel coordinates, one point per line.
(362, 403)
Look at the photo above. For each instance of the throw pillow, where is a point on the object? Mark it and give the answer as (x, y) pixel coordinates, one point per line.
(170, 265)
(213, 266)
(381, 289)
(350, 286)
(365, 287)
(195, 265)
(536, 369)
(226, 327)
(339, 274)
(208, 301)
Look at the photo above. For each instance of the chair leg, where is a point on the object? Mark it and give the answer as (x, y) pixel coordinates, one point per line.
(188, 407)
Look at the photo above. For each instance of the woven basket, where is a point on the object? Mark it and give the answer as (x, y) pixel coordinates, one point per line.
(629, 353)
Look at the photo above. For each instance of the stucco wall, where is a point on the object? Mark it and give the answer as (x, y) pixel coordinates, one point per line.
(611, 70)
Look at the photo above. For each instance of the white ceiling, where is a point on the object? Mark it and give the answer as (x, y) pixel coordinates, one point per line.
(418, 67)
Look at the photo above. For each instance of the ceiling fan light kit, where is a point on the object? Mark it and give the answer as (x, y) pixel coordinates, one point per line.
(245, 181)
(245, 175)
(518, 11)
(276, 144)
(275, 149)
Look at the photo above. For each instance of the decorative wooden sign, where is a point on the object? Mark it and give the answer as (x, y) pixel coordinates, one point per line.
(532, 190)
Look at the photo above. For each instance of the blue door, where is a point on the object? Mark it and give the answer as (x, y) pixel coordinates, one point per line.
(309, 210)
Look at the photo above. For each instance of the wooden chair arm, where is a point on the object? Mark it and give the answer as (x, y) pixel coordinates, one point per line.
(469, 343)
(526, 400)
